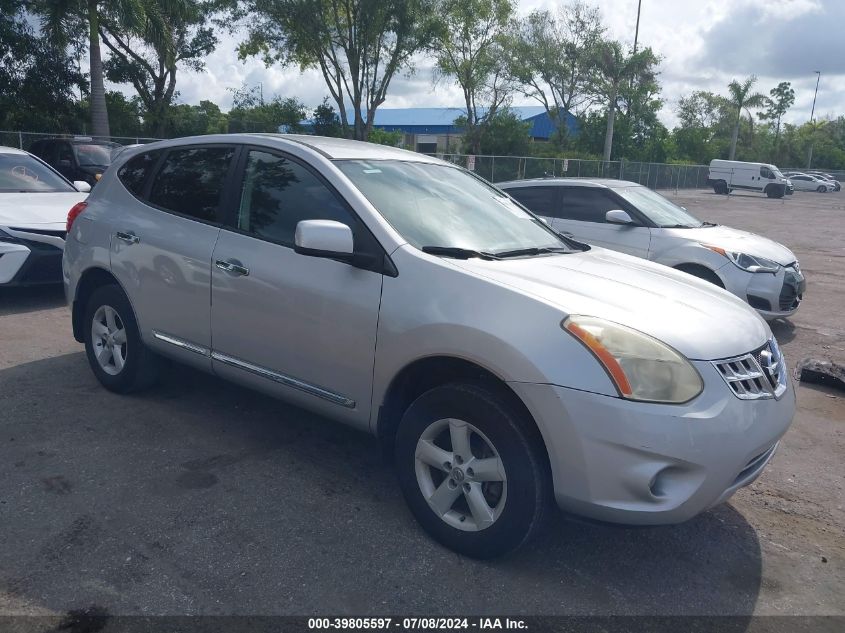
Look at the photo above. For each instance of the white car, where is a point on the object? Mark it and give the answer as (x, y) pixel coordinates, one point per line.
(836, 184)
(34, 203)
(633, 219)
(808, 182)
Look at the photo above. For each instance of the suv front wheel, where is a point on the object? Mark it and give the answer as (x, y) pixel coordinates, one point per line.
(117, 356)
(471, 470)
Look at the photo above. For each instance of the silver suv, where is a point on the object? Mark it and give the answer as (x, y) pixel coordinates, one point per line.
(501, 364)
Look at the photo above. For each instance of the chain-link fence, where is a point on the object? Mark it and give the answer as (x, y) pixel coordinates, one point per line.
(654, 175)
(24, 140)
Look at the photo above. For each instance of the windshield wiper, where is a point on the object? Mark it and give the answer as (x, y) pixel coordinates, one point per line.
(677, 226)
(709, 224)
(519, 252)
(457, 253)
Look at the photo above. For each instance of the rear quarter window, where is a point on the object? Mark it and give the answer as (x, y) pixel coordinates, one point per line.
(136, 171)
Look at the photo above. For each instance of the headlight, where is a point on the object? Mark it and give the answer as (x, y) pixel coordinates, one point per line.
(749, 263)
(641, 367)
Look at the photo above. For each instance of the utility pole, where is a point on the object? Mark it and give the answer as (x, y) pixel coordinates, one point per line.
(812, 120)
(261, 92)
(637, 30)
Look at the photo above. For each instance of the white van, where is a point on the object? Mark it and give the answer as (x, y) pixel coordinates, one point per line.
(727, 175)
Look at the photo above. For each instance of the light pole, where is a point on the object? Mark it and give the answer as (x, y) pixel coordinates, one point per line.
(637, 29)
(812, 120)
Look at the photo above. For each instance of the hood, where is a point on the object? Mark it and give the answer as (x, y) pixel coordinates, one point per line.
(698, 319)
(34, 210)
(739, 242)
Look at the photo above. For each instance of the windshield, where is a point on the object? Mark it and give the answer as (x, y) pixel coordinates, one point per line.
(658, 209)
(22, 173)
(448, 208)
(776, 171)
(93, 155)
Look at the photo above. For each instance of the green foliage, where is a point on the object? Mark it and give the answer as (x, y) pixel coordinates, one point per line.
(192, 120)
(326, 121)
(37, 79)
(382, 137)
(250, 113)
(471, 51)
(358, 45)
(505, 134)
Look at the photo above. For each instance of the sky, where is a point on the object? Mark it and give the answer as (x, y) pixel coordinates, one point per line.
(703, 44)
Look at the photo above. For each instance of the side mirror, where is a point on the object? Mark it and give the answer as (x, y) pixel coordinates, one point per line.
(618, 216)
(82, 186)
(323, 238)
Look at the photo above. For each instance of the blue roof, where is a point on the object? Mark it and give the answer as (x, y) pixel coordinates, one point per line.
(442, 120)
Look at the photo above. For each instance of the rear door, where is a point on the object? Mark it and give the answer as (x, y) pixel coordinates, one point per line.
(162, 243)
(583, 211)
(300, 327)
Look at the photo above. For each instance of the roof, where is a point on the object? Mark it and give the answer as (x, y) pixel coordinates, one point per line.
(11, 150)
(610, 183)
(341, 148)
(439, 116)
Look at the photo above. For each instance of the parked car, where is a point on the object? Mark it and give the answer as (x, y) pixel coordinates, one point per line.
(34, 201)
(807, 182)
(836, 184)
(726, 175)
(633, 219)
(76, 158)
(407, 297)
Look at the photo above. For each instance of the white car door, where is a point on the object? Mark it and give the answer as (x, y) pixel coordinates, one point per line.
(583, 213)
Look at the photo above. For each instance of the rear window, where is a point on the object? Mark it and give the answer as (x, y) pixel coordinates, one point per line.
(190, 181)
(135, 172)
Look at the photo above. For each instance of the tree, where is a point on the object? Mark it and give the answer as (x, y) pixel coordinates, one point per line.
(250, 113)
(782, 98)
(551, 59)
(614, 71)
(470, 52)
(37, 78)
(741, 98)
(62, 19)
(358, 45)
(193, 120)
(504, 134)
(325, 120)
(149, 55)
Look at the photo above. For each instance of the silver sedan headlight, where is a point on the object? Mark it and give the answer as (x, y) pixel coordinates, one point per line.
(748, 263)
(641, 367)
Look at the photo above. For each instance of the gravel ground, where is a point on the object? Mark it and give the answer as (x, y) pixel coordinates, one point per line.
(203, 498)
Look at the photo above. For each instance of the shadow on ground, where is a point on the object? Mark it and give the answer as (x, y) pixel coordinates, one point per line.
(199, 497)
(31, 299)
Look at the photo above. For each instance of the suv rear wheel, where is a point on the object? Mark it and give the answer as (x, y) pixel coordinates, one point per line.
(471, 470)
(113, 344)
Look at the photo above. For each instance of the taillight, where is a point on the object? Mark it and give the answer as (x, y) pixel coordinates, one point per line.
(74, 213)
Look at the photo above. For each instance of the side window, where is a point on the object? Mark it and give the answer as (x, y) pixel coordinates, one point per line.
(278, 193)
(191, 180)
(134, 173)
(765, 172)
(65, 153)
(587, 204)
(541, 200)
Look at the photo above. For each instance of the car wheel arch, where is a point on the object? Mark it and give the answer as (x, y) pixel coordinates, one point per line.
(702, 272)
(89, 281)
(424, 374)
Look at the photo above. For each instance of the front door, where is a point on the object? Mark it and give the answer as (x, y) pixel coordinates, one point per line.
(297, 326)
(582, 214)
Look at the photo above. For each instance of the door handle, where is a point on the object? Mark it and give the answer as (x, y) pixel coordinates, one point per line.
(129, 237)
(232, 267)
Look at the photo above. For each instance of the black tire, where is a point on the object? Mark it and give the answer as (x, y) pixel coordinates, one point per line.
(527, 492)
(720, 187)
(774, 192)
(702, 273)
(822, 189)
(140, 369)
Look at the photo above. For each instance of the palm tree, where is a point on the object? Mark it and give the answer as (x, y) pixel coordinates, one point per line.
(741, 99)
(61, 17)
(614, 71)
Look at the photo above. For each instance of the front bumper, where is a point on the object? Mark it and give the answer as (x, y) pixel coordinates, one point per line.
(773, 296)
(26, 262)
(641, 463)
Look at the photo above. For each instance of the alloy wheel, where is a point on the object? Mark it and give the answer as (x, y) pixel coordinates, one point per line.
(461, 474)
(108, 336)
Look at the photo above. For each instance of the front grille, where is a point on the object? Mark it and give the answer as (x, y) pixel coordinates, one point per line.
(759, 303)
(757, 375)
(793, 288)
